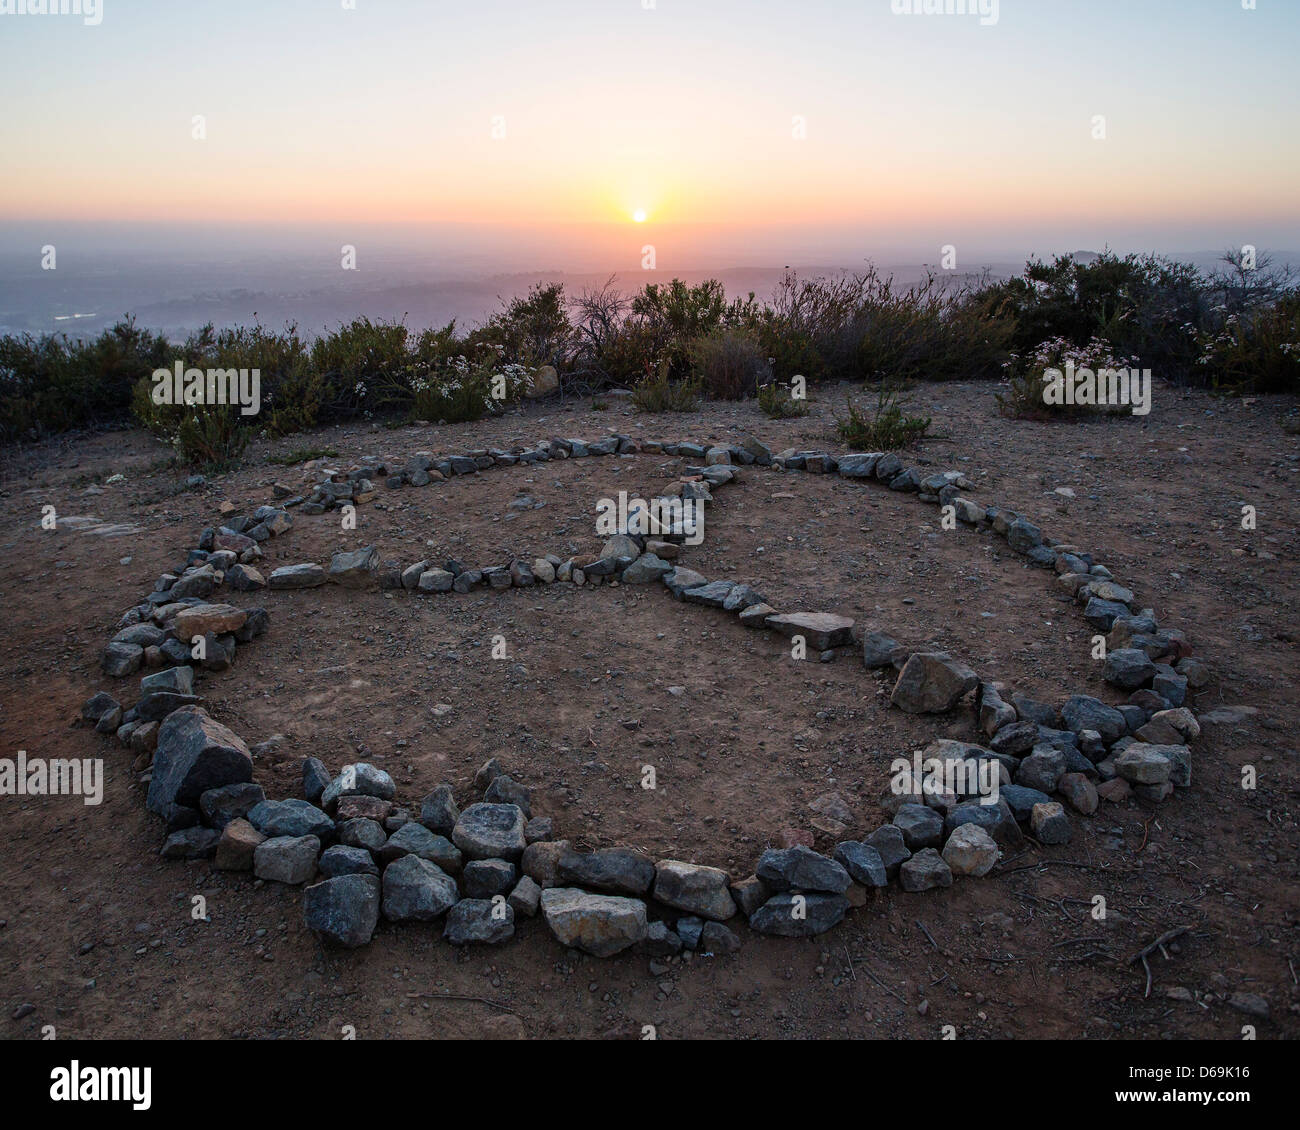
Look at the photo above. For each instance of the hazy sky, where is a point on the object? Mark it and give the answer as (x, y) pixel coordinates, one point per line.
(933, 126)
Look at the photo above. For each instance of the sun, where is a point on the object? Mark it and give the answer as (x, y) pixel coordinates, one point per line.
(639, 216)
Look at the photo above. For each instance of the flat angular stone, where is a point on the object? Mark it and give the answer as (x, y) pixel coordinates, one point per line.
(286, 859)
(229, 802)
(439, 812)
(294, 818)
(802, 869)
(925, 871)
(1142, 764)
(415, 839)
(790, 915)
(343, 859)
(616, 870)
(200, 619)
(932, 683)
(191, 843)
(1049, 823)
(863, 863)
(696, 889)
(491, 831)
(474, 921)
(601, 925)
(237, 845)
(308, 575)
(821, 630)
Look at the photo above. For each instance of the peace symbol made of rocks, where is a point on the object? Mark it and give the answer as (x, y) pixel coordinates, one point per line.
(482, 867)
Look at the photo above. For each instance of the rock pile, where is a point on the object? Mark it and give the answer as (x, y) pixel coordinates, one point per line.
(482, 868)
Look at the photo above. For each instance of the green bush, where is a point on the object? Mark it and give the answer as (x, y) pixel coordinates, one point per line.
(778, 401)
(657, 391)
(1027, 396)
(728, 364)
(887, 428)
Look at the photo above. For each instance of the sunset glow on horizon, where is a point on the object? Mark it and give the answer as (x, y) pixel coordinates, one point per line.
(714, 114)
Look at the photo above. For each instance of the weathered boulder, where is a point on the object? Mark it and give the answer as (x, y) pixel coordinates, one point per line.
(416, 890)
(970, 850)
(615, 870)
(195, 753)
(291, 817)
(925, 871)
(799, 868)
(694, 889)
(490, 831)
(352, 568)
(821, 630)
(343, 909)
(932, 683)
(286, 859)
(601, 925)
(792, 915)
(479, 921)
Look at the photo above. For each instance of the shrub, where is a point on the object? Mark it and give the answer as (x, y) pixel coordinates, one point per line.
(1029, 378)
(462, 391)
(778, 401)
(210, 437)
(1258, 350)
(533, 330)
(727, 363)
(888, 428)
(658, 392)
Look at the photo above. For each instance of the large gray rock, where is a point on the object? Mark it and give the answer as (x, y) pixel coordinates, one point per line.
(286, 859)
(821, 630)
(932, 683)
(694, 889)
(601, 925)
(354, 568)
(415, 839)
(479, 921)
(194, 754)
(1082, 712)
(358, 779)
(799, 868)
(619, 871)
(925, 871)
(416, 890)
(790, 915)
(863, 863)
(491, 831)
(290, 818)
(305, 576)
(343, 909)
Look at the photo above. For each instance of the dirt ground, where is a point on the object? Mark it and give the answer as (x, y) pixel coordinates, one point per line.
(96, 931)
